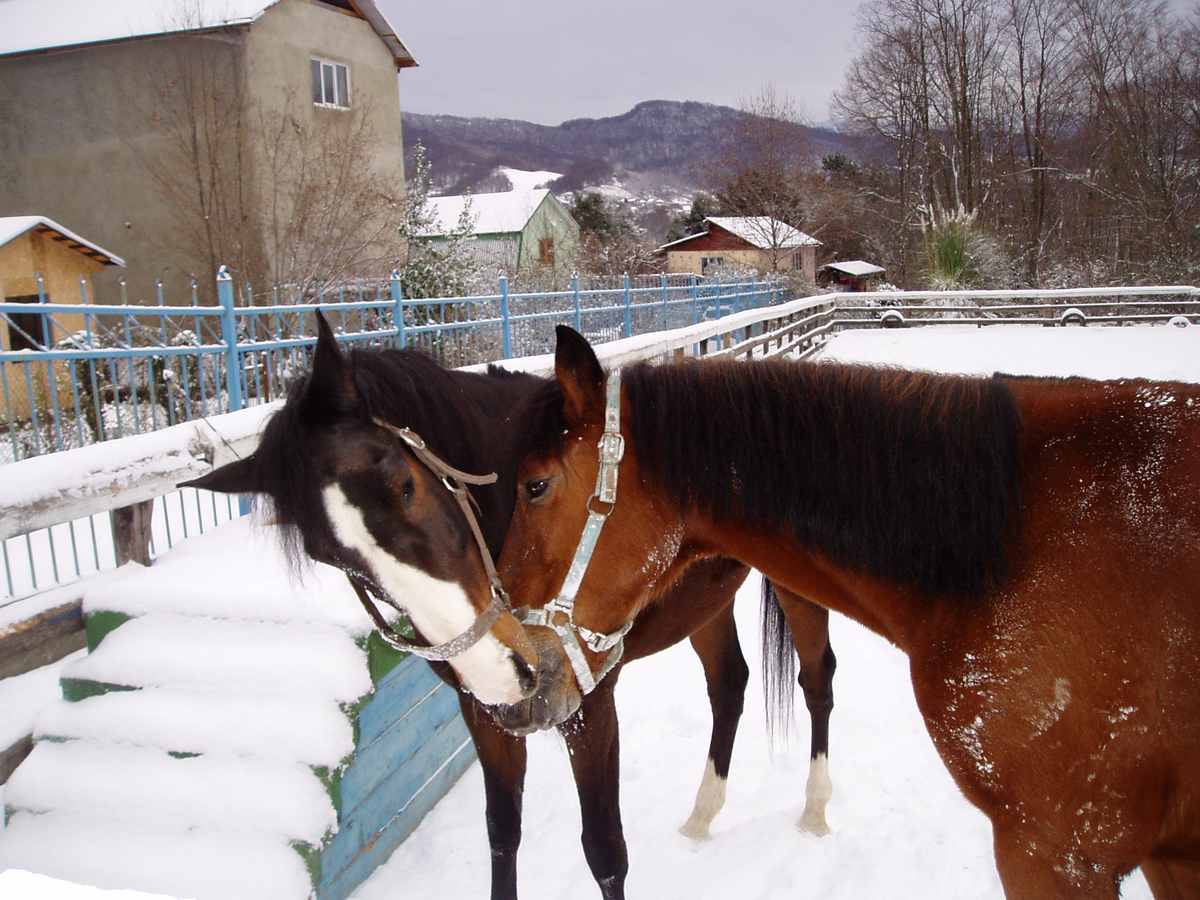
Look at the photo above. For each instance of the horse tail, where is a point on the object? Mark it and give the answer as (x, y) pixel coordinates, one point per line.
(778, 663)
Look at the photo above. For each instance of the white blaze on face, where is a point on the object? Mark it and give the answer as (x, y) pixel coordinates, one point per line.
(439, 609)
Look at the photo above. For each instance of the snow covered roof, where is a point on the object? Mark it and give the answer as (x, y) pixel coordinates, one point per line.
(501, 213)
(764, 232)
(12, 227)
(855, 267)
(28, 26)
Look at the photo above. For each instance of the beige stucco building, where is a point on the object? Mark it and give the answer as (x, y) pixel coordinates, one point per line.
(172, 133)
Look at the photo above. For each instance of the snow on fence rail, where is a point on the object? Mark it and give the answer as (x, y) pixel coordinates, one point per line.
(87, 373)
(51, 492)
(75, 374)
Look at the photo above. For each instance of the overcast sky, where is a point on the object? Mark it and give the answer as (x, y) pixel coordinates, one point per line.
(551, 60)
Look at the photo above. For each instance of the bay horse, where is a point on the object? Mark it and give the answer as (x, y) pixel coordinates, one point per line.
(346, 490)
(1032, 544)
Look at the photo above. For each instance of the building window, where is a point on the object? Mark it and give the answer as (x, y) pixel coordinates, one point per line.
(706, 261)
(26, 331)
(330, 84)
(546, 251)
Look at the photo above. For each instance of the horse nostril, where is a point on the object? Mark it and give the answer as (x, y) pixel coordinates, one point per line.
(526, 677)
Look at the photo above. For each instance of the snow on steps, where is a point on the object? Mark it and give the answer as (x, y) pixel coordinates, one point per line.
(233, 733)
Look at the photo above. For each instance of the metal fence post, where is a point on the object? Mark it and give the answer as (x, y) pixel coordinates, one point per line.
(666, 308)
(628, 308)
(233, 367)
(695, 300)
(578, 313)
(398, 313)
(233, 375)
(506, 325)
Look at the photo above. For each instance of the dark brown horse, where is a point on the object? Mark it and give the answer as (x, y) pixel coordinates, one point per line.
(347, 491)
(1033, 545)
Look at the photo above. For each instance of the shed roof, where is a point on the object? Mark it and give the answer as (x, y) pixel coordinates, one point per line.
(855, 267)
(505, 212)
(12, 227)
(32, 26)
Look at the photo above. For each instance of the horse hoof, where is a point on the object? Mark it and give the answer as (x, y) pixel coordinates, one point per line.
(814, 824)
(696, 831)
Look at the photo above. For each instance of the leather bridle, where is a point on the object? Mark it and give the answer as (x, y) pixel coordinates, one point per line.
(456, 482)
(559, 613)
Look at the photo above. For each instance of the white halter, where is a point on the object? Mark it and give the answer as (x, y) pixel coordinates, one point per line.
(612, 449)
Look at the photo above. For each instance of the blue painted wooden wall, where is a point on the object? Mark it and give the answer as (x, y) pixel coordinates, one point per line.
(411, 746)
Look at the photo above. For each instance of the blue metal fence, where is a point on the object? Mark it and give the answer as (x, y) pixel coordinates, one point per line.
(76, 374)
(88, 373)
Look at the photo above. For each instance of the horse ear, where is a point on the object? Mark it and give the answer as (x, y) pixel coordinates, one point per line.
(330, 389)
(580, 375)
(240, 477)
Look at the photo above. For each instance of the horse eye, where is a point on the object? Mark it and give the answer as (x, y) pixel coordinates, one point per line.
(536, 488)
(408, 488)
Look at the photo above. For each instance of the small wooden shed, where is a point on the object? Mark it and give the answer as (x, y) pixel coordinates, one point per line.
(852, 274)
(33, 248)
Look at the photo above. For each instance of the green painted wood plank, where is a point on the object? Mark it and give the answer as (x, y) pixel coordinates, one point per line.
(99, 623)
(75, 689)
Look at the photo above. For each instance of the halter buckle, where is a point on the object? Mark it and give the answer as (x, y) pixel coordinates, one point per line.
(612, 451)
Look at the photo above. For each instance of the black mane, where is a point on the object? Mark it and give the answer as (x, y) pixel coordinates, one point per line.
(908, 477)
(459, 414)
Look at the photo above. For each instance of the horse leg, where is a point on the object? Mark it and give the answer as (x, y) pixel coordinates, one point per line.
(593, 743)
(809, 627)
(1032, 869)
(1173, 879)
(502, 757)
(726, 673)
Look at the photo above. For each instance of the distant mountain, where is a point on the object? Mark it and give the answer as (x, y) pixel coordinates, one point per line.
(647, 156)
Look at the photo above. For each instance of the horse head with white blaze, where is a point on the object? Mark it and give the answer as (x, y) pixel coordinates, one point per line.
(353, 491)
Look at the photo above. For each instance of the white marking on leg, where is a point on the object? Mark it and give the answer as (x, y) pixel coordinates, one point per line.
(439, 609)
(709, 800)
(817, 794)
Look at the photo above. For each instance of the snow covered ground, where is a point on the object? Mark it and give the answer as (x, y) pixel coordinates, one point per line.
(901, 829)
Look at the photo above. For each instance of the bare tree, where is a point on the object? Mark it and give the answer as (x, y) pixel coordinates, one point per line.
(1067, 128)
(1037, 103)
(198, 157)
(1139, 67)
(759, 164)
(327, 213)
(266, 188)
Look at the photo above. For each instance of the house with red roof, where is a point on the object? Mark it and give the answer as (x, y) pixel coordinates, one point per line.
(757, 242)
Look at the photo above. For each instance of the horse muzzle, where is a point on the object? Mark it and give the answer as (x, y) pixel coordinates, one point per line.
(556, 697)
